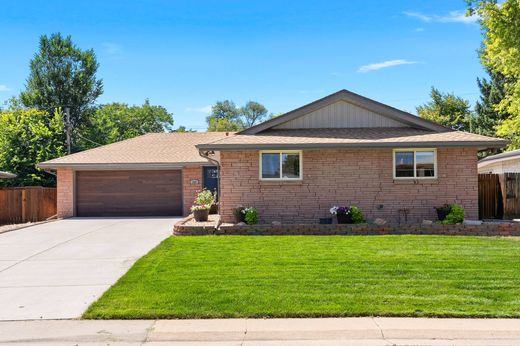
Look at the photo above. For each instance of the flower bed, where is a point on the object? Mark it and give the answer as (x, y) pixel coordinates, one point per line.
(485, 229)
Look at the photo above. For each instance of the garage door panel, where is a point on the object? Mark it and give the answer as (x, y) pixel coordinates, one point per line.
(128, 193)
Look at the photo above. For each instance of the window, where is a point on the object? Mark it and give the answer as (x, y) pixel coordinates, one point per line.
(415, 163)
(281, 165)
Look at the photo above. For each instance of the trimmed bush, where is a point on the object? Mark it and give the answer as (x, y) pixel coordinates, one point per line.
(456, 215)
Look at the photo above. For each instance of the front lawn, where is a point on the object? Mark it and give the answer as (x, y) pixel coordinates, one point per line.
(304, 276)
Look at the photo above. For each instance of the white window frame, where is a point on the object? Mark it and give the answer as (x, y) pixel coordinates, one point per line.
(280, 152)
(415, 150)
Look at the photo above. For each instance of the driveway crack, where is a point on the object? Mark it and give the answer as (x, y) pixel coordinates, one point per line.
(148, 330)
(381, 331)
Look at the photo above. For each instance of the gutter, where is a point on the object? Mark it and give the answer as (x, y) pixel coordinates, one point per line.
(441, 144)
(116, 166)
(205, 154)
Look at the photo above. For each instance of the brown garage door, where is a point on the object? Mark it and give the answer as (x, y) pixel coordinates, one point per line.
(128, 193)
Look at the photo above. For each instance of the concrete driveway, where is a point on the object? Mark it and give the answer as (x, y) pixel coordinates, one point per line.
(56, 270)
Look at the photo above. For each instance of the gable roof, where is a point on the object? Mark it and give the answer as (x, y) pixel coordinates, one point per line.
(153, 150)
(357, 100)
(394, 137)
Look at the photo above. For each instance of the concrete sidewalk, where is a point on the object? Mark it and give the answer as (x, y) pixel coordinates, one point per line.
(255, 332)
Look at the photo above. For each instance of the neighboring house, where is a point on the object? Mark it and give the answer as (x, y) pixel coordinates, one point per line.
(7, 175)
(508, 162)
(340, 150)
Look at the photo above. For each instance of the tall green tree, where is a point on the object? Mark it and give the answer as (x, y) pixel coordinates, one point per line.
(488, 114)
(62, 75)
(501, 54)
(118, 121)
(253, 113)
(226, 116)
(27, 137)
(448, 110)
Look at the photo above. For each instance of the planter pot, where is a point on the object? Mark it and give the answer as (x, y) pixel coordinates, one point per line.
(325, 221)
(213, 209)
(442, 213)
(201, 215)
(239, 216)
(344, 218)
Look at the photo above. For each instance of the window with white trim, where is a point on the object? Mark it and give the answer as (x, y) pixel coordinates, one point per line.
(415, 163)
(281, 165)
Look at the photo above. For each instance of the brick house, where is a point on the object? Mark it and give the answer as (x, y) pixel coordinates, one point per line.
(342, 149)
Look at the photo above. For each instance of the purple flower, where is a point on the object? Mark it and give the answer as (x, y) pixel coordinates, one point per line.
(339, 210)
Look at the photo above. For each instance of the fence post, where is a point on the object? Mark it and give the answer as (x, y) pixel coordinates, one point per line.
(24, 206)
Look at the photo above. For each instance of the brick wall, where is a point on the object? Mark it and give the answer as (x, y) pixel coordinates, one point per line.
(363, 177)
(65, 193)
(189, 186)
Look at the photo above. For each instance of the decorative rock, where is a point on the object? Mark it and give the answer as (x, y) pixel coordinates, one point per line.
(379, 222)
(276, 223)
(241, 224)
(472, 222)
(427, 222)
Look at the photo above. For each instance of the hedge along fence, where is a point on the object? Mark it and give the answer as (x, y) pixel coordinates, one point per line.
(485, 229)
(27, 204)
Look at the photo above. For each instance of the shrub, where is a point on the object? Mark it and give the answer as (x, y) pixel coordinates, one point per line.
(239, 214)
(204, 197)
(251, 215)
(456, 215)
(356, 214)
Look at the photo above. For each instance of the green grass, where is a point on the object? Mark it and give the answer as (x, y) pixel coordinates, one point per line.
(305, 276)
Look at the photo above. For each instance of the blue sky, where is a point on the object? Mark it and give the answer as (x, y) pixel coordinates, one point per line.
(185, 55)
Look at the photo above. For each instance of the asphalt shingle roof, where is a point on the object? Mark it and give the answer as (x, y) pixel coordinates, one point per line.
(360, 137)
(152, 148)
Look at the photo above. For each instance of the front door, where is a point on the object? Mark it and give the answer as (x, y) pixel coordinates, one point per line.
(211, 178)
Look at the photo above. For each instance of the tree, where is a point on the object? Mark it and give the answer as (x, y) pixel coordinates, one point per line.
(252, 113)
(226, 116)
(183, 129)
(117, 121)
(501, 54)
(487, 108)
(62, 75)
(448, 110)
(27, 137)
(223, 125)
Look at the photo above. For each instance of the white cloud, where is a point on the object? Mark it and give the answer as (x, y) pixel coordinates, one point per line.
(385, 64)
(419, 30)
(418, 15)
(452, 17)
(205, 109)
(4, 87)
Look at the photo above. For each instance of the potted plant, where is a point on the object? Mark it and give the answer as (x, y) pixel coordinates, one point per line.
(202, 205)
(443, 211)
(239, 214)
(200, 212)
(342, 214)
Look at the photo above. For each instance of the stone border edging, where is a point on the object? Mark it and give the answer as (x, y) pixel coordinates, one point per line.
(485, 229)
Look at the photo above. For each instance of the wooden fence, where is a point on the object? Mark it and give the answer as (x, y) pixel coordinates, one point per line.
(499, 196)
(27, 204)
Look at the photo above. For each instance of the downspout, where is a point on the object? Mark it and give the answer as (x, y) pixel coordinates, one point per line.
(205, 154)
